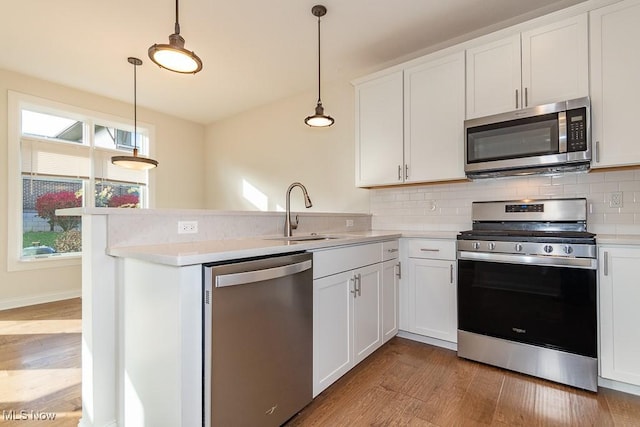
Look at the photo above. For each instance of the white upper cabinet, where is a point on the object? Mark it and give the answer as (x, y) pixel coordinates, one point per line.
(379, 131)
(615, 83)
(540, 66)
(494, 77)
(434, 116)
(409, 124)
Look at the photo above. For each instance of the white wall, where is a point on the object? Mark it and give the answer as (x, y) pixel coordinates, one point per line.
(179, 180)
(271, 147)
(447, 207)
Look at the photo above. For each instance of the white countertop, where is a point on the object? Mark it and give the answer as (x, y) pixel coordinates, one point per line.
(182, 254)
(617, 239)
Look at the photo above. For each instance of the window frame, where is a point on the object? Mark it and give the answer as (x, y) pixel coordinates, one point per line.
(16, 103)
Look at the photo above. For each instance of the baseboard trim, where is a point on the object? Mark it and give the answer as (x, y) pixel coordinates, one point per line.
(428, 340)
(619, 386)
(8, 303)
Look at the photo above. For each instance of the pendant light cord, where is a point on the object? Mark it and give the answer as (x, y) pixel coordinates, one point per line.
(319, 101)
(177, 26)
(135, 108)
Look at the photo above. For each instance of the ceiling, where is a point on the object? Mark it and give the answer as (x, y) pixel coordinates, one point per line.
(254, 52)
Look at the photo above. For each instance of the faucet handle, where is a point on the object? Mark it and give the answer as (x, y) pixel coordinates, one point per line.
(294, 225)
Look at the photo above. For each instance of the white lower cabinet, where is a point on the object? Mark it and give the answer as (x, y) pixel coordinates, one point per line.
(619, 314)
(431, 289)
(352, 308)
(390, 299)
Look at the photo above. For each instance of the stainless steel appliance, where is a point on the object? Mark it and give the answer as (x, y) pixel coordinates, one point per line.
(527, 289)
(548, 138)
(258, 327)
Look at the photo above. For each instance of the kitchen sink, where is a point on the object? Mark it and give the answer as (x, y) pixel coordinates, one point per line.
(307, 238)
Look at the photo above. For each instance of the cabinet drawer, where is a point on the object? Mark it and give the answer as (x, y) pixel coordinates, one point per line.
(432, 249)
(336, 260)
(390, 250)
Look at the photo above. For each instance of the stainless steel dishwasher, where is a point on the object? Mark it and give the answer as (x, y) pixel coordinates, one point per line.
(258, 326)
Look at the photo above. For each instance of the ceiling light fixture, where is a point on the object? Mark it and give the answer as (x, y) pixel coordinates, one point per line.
(319, 119)
(134, 162)
(174, 56)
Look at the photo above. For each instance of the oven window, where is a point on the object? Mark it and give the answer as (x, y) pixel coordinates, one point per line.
(553, 307)
(532, 136)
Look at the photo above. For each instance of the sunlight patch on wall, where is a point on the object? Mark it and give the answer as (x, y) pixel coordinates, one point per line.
(254, 196)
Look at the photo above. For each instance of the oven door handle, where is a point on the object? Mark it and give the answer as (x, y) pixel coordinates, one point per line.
(550, 261)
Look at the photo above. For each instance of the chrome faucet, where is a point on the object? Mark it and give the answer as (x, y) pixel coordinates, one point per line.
(288, 225)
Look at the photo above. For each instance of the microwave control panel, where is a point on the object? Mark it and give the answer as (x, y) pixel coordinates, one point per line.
(577, 130)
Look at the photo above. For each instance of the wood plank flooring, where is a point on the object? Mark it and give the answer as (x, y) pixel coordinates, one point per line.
(404, 383)
(40, 362)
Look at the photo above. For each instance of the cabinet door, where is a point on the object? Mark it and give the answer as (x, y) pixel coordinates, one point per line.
(434, 115)
(494, 77)
(619, 315)
(367, 319)
(555, 62)
(390, 295)
(332, 329)
(433, 309)
(615, 83)
(379, 131)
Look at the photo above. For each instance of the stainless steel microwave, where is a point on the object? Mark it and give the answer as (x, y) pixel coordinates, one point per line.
(550, 139)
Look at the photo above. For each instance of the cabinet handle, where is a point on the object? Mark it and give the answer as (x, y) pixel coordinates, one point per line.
(393, 250)
(605, 263)
(517, 99)
(429, 250)
(597, 151)
(526, 97)
(406, 171)
(399, 273)
(359, 282)
(451, 273)
(355, 288)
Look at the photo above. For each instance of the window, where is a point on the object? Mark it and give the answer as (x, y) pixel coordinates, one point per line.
(60, 157)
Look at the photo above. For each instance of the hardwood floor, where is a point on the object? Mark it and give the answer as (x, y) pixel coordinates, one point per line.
(40, 362)
(404, 383)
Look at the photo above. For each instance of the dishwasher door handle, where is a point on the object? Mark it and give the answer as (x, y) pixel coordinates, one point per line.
(247, 277)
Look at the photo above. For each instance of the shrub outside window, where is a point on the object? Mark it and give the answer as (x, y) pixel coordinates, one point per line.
(64, 162)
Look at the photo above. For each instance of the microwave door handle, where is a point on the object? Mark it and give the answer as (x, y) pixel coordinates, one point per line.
(562, 132)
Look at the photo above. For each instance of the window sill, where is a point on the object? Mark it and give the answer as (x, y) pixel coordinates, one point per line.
(44, 262)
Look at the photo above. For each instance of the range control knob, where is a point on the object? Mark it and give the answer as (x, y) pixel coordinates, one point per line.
(491, 246)
(568, 249)
(548, 248)
(476, 245)
(518, 247)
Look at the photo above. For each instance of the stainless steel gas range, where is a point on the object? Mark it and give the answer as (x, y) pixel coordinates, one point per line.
(527, 289)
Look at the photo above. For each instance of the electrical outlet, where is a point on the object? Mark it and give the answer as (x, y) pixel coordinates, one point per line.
(187, 227)
(349, 223)
(615, 199)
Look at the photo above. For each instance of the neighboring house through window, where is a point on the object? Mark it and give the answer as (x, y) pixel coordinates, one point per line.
(60, 157)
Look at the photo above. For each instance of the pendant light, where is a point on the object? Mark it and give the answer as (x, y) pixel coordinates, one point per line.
(134, 162)
(319, 119)
(174, 56)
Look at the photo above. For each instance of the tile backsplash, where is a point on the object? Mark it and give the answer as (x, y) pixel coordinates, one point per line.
(447, 206)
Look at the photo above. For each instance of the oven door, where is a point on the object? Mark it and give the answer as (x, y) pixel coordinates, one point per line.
(543, 301)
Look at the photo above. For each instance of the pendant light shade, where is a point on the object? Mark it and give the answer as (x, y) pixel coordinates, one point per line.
(174, 56)
(319, 119)
(134, 161)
